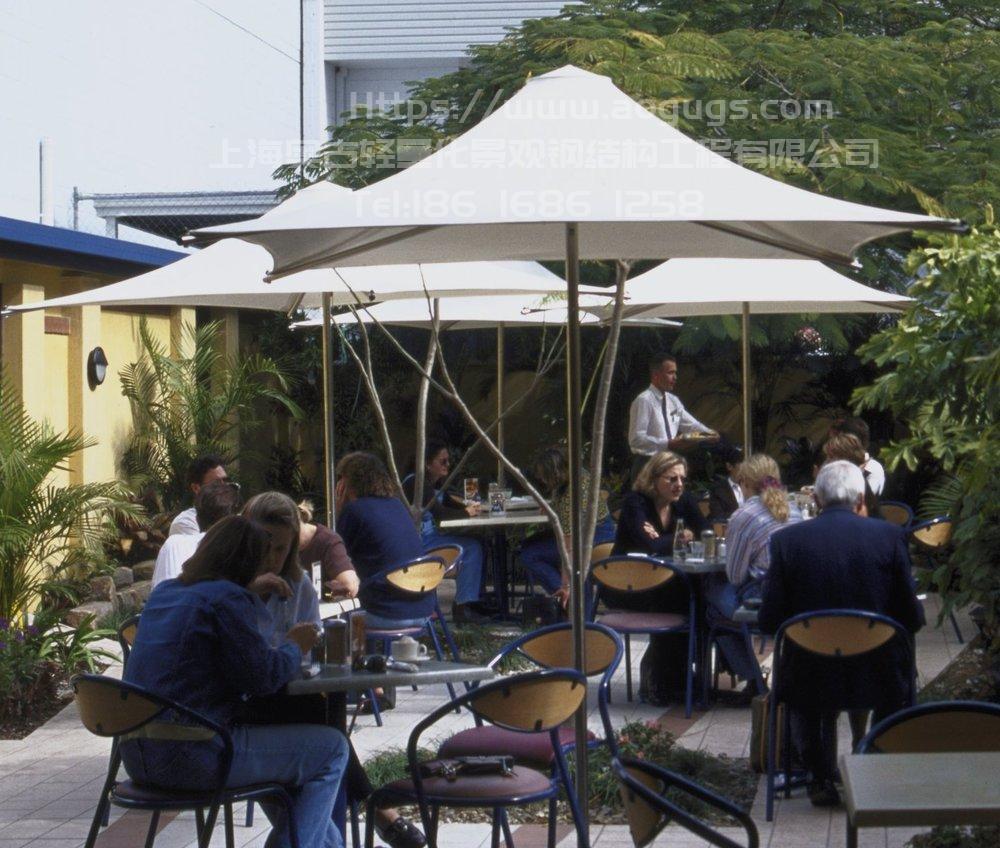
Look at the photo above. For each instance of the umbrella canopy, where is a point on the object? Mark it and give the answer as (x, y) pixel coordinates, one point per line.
(231, 275)
(690, 287)
(570, 146)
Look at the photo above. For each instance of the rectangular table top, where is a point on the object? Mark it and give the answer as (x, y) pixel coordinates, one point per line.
(488, 520)
(890, 790)
(335, 678)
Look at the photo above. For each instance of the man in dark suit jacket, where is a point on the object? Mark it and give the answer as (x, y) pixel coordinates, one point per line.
(840, 560)
(724, 494)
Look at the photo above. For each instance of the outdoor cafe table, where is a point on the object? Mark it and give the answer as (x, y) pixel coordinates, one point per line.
(497, 526)
(913, 790)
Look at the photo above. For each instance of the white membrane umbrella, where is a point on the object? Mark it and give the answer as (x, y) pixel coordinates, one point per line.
(683, 288)
(572, 167)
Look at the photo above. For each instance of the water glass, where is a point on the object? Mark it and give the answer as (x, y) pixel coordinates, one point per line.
(470, 488)
(697, 550)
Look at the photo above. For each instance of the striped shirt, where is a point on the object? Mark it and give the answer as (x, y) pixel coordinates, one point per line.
(748, 534)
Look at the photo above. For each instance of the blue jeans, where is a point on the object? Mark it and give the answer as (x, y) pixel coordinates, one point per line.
(309, 760)
(378, 622)
(470, 567)
(540, 556)
(723, 599)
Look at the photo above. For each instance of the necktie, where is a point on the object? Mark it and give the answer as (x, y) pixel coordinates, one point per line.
(666, 418)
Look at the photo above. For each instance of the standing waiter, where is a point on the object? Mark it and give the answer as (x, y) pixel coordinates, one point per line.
(657, 418)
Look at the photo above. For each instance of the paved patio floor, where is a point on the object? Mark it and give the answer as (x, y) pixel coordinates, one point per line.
(49, 781)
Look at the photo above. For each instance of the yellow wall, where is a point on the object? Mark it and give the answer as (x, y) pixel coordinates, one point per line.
(49, 369)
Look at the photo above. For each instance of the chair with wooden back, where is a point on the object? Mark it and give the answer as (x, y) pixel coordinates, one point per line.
(113, 708)
(536, 702)
(835, 634)
(936, 727)
(633, 574)
(896, 512)
(931, 542)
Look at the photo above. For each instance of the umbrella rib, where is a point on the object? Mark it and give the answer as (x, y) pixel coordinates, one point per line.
(337, 255)
(800, 249)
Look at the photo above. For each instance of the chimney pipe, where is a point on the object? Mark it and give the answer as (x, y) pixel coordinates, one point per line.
(45, 211)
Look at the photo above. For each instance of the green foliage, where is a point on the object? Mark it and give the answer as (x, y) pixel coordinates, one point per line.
(189, 405)
(977, 836)
(942, 378)
(45, 529)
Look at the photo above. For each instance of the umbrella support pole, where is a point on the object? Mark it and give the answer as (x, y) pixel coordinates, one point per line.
(575, 446)
(745, 366)
(501, 474)
(328, 446)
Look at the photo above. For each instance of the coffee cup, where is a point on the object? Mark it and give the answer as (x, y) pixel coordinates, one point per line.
(408, 649)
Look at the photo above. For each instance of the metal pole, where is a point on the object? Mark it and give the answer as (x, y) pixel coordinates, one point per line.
(575, 446)
(500, 402)
(745, 355)
(328, 447)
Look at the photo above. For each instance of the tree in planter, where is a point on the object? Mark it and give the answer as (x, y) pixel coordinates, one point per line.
(186, 406)
(943, 381)
(45, 529)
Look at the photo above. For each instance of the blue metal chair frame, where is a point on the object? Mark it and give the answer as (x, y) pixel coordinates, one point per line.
(778, 686)
(425, 801)
(868, 745)
(690, 627)
(220, 796)
(932, 554)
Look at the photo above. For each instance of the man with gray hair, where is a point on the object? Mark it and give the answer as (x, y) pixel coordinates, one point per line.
(839, 560)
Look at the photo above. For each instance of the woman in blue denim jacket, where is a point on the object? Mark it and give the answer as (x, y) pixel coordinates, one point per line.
(199, 645)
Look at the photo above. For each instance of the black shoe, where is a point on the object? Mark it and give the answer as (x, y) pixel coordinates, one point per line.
(822, 793)
(465, 614)
(402, 833)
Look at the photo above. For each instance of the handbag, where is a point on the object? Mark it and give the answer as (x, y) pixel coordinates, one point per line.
(457, 767)
(759, 708)
(541, 610)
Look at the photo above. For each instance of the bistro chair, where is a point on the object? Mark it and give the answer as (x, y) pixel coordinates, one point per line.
(548, 647)
(936, 727)
(635, 574)
(117, 709)
(530, 703)
(415, 579)
(126, 636)
(648, 807)
(836, 634)
(931, 540)
(450, 554)
(745, 632)
(896, 512)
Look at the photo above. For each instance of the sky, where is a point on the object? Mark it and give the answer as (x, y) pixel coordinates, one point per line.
(144, 96)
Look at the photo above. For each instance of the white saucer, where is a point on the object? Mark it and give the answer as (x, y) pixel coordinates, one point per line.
(417, 660)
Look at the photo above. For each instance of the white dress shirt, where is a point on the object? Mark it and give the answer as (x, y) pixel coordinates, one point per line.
(737, 492)
(185, 522)
(647, 430)
(176, 551)
(875, 474)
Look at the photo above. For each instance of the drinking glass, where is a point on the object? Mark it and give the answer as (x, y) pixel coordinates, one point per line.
(470, 488)
(697, 550)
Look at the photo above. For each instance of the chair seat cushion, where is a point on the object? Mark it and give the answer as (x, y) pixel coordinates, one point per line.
(130, 793)
(535, 749)
(486, 789)
(625, 621)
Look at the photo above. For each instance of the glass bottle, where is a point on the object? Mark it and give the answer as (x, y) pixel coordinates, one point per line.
(680, 546)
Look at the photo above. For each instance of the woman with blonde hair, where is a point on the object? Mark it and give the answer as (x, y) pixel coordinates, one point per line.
(748, 536)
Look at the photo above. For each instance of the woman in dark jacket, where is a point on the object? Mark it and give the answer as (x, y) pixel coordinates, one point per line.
(199, 645)
(646, 525)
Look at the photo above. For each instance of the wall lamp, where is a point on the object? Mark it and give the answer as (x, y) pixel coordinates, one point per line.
(97, 367)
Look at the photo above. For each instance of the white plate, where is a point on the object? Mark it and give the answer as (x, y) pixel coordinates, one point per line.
(418, 660)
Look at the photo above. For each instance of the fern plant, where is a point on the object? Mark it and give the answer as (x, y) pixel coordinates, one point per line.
(185, 406)
(45, 529)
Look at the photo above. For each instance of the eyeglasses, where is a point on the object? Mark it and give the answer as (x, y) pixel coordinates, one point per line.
(673, 478)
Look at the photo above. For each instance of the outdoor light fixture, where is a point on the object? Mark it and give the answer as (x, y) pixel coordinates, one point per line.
(97, 367)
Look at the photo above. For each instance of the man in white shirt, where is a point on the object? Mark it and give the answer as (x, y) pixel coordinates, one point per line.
(214, 502)
(201, 471)
(657, 418)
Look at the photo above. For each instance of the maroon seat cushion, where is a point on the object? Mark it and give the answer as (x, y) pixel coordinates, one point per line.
(623, 620)
(488, 789)
(138, 793)
(535, 749)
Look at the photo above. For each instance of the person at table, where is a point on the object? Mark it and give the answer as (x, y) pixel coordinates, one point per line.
(839, 560)
(540, 553)
(318, 543)
(379, 534)
(288, 600)
(844, 446)
(441, 505)
(199, 644)
(657, 418)
(725, 495)
(646, 525)
(748, 535)
(213, 502)
(202, 471)
(873, 470)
